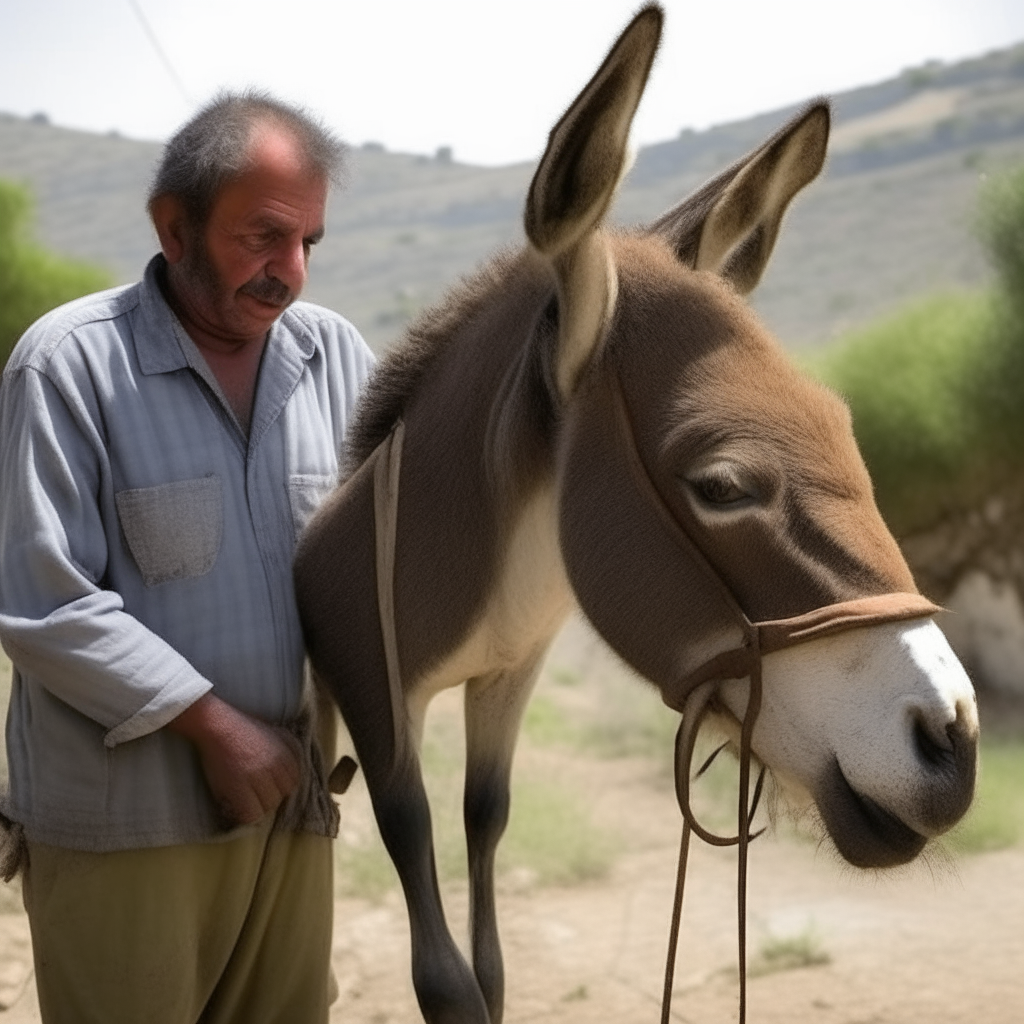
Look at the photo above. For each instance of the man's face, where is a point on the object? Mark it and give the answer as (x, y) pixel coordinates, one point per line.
(249, 262)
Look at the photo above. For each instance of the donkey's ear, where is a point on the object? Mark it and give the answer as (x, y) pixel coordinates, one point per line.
(730, 224)
(574, 185)
(577, 175)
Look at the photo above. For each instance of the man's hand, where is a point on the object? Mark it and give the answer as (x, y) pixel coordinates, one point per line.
(250, 767)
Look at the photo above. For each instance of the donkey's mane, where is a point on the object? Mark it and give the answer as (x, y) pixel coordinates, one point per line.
(397, 376)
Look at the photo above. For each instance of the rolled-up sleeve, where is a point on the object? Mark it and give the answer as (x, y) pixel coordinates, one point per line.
(58, 622)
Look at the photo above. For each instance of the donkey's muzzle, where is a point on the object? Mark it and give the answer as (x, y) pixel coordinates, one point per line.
(870, 835)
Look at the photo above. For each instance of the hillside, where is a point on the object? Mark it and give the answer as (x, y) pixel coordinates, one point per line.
(890, 218)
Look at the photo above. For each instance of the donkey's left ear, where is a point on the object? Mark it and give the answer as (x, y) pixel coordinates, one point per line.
(729, 225)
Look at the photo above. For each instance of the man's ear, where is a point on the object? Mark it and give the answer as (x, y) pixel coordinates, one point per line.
(168, 216)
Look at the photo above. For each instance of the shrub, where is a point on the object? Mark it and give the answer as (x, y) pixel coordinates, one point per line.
(936, 390)
(32, 280)
(935, 395)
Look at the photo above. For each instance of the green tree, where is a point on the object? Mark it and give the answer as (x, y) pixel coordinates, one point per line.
(33, 280)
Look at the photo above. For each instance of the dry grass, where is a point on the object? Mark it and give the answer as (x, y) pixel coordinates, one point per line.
(789, 953)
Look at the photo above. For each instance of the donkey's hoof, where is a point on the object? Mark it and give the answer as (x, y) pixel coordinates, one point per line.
(449, 994)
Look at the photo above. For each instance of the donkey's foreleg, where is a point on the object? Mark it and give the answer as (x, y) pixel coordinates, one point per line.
(446, 988)
(494, 707)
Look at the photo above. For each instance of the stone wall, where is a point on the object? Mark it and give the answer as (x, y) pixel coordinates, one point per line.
(973, 564)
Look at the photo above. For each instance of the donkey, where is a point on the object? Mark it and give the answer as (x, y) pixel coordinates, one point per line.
(599, 420)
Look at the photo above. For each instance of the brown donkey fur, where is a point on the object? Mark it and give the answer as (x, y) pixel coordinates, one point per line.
(516, 500)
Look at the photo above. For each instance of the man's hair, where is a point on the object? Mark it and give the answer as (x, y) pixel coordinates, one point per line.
(214, 147)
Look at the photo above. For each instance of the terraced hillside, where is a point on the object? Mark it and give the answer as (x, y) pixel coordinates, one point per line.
(891, 218)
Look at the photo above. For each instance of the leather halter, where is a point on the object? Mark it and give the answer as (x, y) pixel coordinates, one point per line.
(691, 694)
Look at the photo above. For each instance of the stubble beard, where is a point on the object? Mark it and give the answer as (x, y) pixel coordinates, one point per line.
(204, 282)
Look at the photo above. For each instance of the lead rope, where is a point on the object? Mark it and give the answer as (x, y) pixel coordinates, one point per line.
(685, 741)
(677, 916)
(744, 817)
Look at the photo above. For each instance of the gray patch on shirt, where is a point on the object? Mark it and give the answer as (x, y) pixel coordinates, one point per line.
(306, 492)
(174, 531)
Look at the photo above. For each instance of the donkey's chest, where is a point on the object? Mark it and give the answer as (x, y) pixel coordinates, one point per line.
(527, 603)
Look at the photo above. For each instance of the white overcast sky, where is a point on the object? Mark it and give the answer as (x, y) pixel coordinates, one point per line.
(487, 77)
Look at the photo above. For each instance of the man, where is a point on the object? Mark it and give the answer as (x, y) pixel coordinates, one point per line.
(161, 447)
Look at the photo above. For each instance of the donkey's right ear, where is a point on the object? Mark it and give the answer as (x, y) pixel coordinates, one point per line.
(729, 225)
(574, 186)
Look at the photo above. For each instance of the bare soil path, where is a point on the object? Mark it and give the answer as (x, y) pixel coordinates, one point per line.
(939, 943)
(911, 951)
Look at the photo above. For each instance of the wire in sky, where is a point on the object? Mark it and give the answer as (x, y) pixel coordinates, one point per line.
(151, 35)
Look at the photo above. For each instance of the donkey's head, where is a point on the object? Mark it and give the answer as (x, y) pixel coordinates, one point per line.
(704, 482)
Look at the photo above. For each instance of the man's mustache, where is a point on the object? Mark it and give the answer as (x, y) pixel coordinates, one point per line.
(268, 289)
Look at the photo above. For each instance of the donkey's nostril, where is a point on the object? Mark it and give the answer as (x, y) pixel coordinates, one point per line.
(944, 737)
(936, 749)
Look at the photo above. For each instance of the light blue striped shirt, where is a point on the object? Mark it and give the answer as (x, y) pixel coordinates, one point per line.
(145, 553)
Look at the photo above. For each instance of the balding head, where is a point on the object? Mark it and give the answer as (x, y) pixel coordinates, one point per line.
(216, 146)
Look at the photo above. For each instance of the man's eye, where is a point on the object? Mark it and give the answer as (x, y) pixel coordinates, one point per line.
(719, 489)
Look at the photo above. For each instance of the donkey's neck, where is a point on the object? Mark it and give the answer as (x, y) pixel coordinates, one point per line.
(481, 539)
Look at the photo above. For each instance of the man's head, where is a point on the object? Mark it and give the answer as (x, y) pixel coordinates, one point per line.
(237, 202)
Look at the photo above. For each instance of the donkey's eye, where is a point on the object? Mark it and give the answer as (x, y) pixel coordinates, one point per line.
(719, 487)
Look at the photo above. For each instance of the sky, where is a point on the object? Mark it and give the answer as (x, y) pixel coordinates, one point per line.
(486, 77)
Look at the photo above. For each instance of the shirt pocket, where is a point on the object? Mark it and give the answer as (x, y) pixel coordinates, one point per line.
(174, 531)
(306, 491)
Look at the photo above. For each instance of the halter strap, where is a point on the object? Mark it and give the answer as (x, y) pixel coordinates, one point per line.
(387, 469)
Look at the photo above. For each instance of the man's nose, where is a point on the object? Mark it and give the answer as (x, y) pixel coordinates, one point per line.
(289, 265)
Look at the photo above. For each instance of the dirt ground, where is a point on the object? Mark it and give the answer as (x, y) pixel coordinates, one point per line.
(938, 942)
(942, 941)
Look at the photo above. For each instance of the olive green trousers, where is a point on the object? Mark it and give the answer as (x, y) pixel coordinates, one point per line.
(233, 932)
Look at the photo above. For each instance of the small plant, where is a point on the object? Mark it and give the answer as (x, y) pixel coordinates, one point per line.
(929, 390)
(789, 953)
(363, 871)
(547, 724)
(564, 675)
(551, 835)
